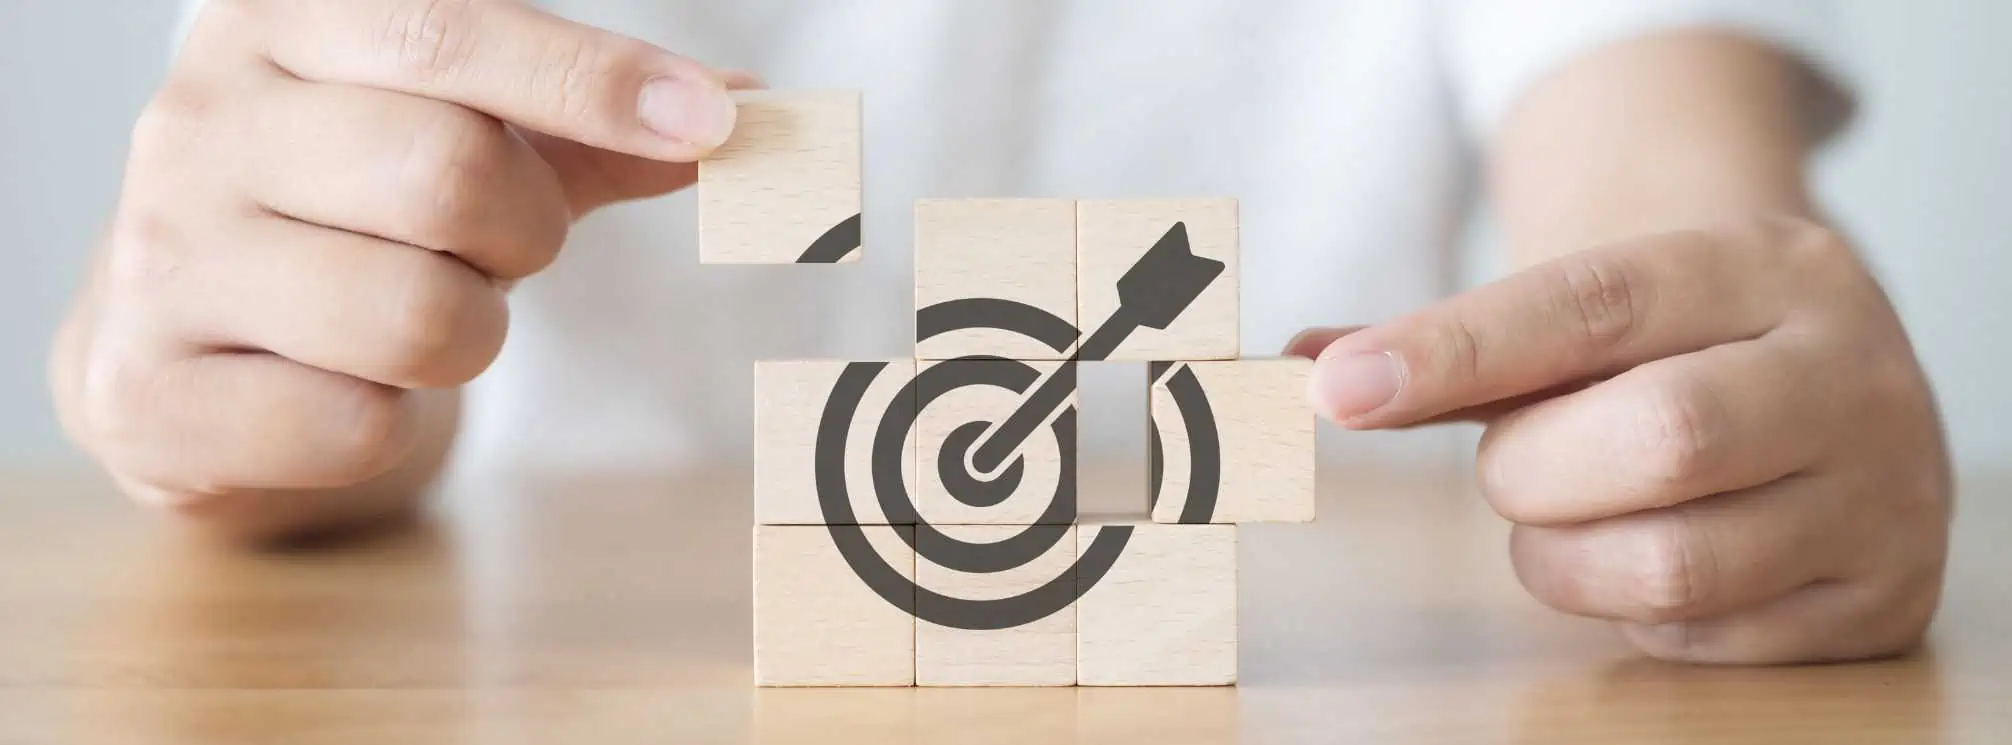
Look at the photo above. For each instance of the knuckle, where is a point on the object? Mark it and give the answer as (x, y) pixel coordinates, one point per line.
(371, 431)
(1501, 476)
(112, 400)
(440, 325)
(1798, 239)
(1895, 381)
(1799, 249)
(1679, 434)
(453, 166)
(431, 41)
(536, 246)
(574, 76)
(1666, 577)
(142, 256)
(549, 237)
(1824, 259)
(427, 316)
(1453, 350)
(1599, 299)
(176, 117)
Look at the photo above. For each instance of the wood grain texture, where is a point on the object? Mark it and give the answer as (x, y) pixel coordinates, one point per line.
(612, 606)
(790, 398)
(789, 173)
(1111, 235)
(1041, 653)
(816, 623)
(1166, 614)
(1023, 250)
(1041, 458)
(1265, 433)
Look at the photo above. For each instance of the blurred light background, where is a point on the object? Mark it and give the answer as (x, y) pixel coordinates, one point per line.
(1922, 181)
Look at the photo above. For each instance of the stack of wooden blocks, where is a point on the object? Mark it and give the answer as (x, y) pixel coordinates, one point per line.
(1166, 612)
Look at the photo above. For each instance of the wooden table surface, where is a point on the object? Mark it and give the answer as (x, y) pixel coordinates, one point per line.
(615, 608)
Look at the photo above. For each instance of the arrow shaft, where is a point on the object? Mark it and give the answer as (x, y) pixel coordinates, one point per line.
(1049, 396)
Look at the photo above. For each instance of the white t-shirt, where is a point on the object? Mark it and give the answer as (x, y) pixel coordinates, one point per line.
(1346, 128)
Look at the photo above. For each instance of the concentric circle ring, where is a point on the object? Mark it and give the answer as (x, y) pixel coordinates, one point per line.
(889, 467)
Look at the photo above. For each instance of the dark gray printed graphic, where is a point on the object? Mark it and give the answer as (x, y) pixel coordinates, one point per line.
(982, 471)
(1205, 460)
(835, 244)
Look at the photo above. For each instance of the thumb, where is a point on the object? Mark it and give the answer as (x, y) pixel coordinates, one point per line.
(594, 178)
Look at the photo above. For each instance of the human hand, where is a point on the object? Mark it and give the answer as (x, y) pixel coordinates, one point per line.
(1721, 440)
(323, 209)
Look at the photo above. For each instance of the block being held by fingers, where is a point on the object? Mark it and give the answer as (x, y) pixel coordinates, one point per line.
(791, 397)
(1039, 653)
(816, 623)
(1262, 441)
(785, 186)
(976, 258)
(1037, 485)
(1113, 234)
(1166, 612)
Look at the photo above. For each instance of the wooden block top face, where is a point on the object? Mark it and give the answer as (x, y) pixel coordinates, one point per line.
(1111, 237)
(971, 253)
(1039, 653)
(817, 623)
(1166, 613)
(790, 401)
(951, 425)
(785, 187)
(1264, 440)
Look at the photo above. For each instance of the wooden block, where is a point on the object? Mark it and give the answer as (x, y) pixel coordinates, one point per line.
(1166, 613)
(1264, 437)
(949, 426)
(785, 187)
(790, 400)
(1038, 653)
(974, 251)
(1111, 235)
(816, 623)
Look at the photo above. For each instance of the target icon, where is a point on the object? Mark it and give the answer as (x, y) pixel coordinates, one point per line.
(916, 519)
(977, 461)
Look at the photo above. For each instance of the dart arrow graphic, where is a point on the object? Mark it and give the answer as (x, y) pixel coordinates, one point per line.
(1154, 292)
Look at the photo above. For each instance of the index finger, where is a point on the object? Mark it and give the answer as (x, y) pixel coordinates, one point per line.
(515, 63)
(1584, 315)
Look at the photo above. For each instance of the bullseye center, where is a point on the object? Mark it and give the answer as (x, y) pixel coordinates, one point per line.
(953, 467)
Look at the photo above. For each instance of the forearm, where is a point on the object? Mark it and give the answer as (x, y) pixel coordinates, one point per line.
(1677, 131)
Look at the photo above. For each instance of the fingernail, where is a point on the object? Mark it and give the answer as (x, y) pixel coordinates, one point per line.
(1664, 640)
(1350, 385)
(1310, 342)
(743, 80)
(694, 112)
